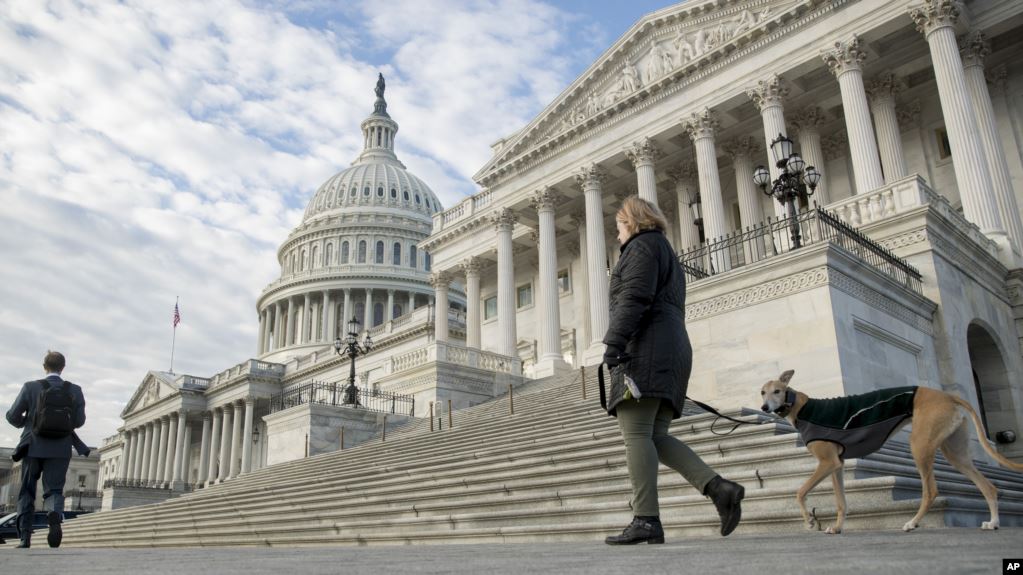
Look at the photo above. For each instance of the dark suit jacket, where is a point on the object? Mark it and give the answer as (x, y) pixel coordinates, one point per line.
(22, 414)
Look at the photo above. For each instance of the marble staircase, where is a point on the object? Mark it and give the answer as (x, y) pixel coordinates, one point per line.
(552, 471)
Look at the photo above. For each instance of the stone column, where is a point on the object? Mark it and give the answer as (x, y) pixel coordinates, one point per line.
(936, 19)
(807, 122)
(204, 448)
(974, 48)
(161, 452)
(439, 281)
(179, 451)
(471, 266)
(882, 92)
(643, 155)
(551, 359)
(236, 441)
(224, 467)
(504, 222)
(142, 462)
(307, 319)
(186, 456)
(215, 447)
(751, 210)
(591, 179)
(133, 450)
(262, 333)
(845, 61)
(289, 330)
(122, 462)
(701, 128)
(768, 97)
(684, 176)
(411, 301)
(278, 336)
(172, 436)
(136, 458)
(347, 314)
(250, 404)
(389, 312)
(326, 326)
(368, 312)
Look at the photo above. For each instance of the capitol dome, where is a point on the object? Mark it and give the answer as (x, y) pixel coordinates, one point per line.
(356, 251)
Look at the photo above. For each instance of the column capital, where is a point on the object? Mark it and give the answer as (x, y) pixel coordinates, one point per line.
(808, 120)
(768, 93)
(503, 219)
(249, 401)
(471, 265)
(440, 280)
(909, 114)
(207, 416)
(592, 175)
(643, 152)
(684, 173)
(845, 56)
(741, 147)
(545, 198)
(934, 14)
(884, 88)
(974, 47)
(999, 79)
(702, 125)
(833, 146)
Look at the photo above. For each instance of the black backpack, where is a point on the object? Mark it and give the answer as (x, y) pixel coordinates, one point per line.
(55, 411)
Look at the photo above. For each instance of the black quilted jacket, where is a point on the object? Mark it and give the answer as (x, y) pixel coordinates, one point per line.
(647, 320)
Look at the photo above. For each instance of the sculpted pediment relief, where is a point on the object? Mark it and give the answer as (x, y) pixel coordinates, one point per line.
(152, 389)
(672, 42)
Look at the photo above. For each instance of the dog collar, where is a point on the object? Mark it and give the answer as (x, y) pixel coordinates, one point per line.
(790, 400)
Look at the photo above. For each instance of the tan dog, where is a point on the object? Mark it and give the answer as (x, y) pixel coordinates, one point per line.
(938, 421)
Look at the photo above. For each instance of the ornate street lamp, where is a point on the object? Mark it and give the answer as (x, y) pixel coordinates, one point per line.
(697, 209)
(792, 183)
(350, 346)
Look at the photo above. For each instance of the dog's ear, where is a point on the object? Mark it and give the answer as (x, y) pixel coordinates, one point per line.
(786, 376)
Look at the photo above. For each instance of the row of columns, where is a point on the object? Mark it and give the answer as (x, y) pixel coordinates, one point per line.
(156, 454)
(875, 151)
(305, 319)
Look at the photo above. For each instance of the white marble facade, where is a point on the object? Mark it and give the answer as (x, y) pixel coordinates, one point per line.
(912, 109)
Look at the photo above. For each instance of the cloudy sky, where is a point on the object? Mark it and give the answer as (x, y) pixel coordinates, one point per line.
(153, 150)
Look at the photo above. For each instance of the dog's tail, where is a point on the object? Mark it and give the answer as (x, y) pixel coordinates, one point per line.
(979, 426)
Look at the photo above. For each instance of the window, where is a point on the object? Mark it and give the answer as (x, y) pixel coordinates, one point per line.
(360, 312)
(524, 295)
(412, 256)
(944, 148)
(344, 252)
(405, 193)
(564, 282)
(293, 260)
(378, 313)
(394, 194)
(328, 255)
(380, 253)
(365, 192)
(312, 261)
(427, 203)
(301, 262)
(490, 307)
(397, 312)
(362, 253)
(396, 256)
(380, 192)
(418, 200)
(354, 191)
(426, 261)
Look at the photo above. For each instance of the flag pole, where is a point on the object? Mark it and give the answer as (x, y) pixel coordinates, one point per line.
(175, 336)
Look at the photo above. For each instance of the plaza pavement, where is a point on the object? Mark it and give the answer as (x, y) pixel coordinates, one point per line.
(929, 552)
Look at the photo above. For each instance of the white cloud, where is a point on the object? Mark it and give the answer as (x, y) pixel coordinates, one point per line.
(153, 150)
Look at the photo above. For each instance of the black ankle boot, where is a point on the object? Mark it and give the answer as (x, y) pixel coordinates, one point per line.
(26, 542)
(641, 530)
(726, 496)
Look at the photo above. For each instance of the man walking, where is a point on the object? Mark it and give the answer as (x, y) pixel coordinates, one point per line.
(49, 410)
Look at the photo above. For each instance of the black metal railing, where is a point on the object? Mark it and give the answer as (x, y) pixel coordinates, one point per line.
(145, 484)
(339, 394)
(777, 236)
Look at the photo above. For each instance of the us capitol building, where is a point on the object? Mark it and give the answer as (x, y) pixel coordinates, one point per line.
(911, 113)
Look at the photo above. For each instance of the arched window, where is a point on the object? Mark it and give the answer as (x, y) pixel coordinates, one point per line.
(412, 256)
(328, 255)
(394, 194)
(344, 252)
(380, 192)
(426, 261)
(378, 313)
(418, 200)
(397, 310)
(312, 260)
(361, 258)
(380, 253)
(301, 262)
(354, 191)
(360, 312)
(396, 257)
(293, 262)
(340, 194)
(405, 193)
(365, 191)
(427, 203)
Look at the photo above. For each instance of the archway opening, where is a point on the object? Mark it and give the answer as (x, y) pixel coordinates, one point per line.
(991, 381)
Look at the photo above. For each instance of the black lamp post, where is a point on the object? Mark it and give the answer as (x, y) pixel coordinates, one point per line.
(350, 346)
(697, 209)
(793, 181)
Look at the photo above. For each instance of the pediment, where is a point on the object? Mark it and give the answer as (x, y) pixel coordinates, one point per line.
(155, 386)
(662, 47)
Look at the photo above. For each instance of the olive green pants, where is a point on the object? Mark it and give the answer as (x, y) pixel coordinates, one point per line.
(644, 424)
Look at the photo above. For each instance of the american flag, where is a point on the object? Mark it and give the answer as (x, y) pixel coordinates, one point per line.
(177, 315)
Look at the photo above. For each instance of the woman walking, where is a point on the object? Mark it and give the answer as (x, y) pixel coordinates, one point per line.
(647, 338)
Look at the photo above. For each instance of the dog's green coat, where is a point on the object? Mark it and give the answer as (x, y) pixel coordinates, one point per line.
(860, 424)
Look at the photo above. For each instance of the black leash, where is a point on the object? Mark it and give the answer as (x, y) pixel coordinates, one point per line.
(700, 404)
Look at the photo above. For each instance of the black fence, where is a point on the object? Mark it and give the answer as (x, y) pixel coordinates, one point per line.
(781, 236)
(341, 394)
